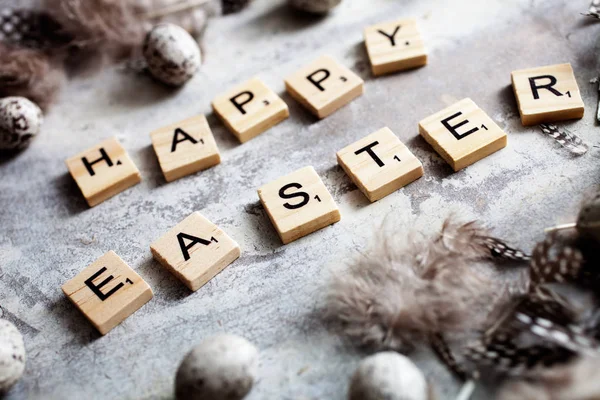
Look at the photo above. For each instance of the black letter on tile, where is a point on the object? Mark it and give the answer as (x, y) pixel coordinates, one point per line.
(239, 106)
(392, 37)
(535, 87)
(369, 149)
(304, 195)
(318, 83)
(89, 165)
(177, 140)
(96, 288)
(452, 128)
(185, 249)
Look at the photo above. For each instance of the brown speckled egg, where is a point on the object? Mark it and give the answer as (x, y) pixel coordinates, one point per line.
(222, 367)
(315, 6)
(20, 121)
(172, 54)
(12, 355)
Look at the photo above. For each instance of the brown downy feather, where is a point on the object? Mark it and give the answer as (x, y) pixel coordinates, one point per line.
(29, 73)
(407, 290)
(114, 27)
(577, 380)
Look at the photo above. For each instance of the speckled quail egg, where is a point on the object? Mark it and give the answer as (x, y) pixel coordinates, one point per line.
(222, 367)
(315, 6)
(20, 121)
(172, 54)
(12, 355)
(390, 376)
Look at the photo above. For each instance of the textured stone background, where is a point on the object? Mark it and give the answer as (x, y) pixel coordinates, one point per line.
(273, 293)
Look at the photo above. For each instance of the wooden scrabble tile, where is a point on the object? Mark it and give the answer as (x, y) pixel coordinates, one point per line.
(298, 204)
(107, 292)
(462, 134)
(324, 86)
(103, 171)
(395, 46)
(547, 94)
(195, 250)
(185, 147)
(379, 164)
(250, 109)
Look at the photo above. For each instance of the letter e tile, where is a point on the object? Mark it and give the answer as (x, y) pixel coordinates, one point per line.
(107, 292)
(462, 134)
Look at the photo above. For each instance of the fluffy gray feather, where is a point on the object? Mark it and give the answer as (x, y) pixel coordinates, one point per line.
(410, 288)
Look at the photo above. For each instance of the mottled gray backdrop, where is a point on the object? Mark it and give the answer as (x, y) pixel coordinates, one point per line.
(273, 293)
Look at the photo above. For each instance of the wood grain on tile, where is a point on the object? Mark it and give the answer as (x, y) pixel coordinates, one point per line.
(107, 292)
(547, 94)
(298, 204)
(324, 86)
(250, 109)
(462, 134)
(103, 171)
(185, 147)
(195, 250)
(379, 164)
(395, 46)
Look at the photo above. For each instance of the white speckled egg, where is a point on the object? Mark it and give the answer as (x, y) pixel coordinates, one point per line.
(388, 375)
(12, 355)
(315, 6)
(222, 367)
(172, 54)
(20, 121)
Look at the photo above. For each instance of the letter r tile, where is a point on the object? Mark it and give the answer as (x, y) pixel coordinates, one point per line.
(547, 94)
(103, 171)
(324, 86)
(298, 204)
(250, 109)
(195, 250)
(107, 292)
(379, 164)
(462, 134)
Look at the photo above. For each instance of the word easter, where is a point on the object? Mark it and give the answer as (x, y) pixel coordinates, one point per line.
(195, 250)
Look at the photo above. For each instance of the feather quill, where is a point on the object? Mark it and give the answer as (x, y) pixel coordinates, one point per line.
(577, 380)
(594, 9)
(565, 138)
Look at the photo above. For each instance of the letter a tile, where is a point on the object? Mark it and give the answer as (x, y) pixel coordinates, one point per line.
(250, 109)
(379, 164)
(324, 86)
(107, 292)
(298, 204)
(103, 171)
(185, 148)
(462, 134)
(195, 250)
(547, 94)
(395, 46)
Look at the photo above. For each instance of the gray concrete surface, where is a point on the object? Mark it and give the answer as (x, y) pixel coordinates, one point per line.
(272, 295)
